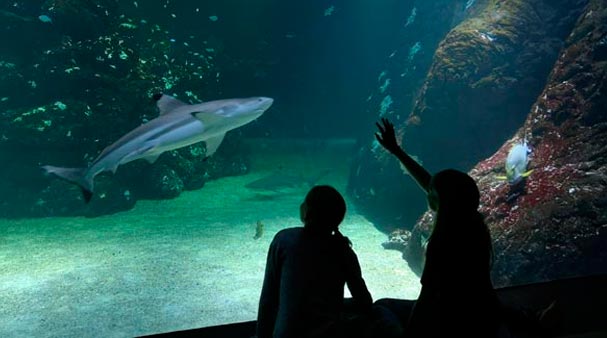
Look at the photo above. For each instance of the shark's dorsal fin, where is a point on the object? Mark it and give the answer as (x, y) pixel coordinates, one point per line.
(213, 143)
(166, 103)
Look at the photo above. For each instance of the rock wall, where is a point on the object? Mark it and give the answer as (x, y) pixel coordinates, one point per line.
(483, 77)
(553, 224)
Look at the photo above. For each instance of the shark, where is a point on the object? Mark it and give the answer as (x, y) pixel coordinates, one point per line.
(178, 125)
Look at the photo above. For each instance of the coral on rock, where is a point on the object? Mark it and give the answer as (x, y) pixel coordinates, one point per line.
(553, 224)
(465, 99)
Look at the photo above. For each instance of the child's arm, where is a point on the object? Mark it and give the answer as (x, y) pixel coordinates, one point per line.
(387, 138)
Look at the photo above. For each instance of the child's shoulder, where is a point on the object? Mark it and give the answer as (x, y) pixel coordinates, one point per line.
(289, 231)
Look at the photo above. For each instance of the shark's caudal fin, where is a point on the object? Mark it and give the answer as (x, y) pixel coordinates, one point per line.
(74, 176)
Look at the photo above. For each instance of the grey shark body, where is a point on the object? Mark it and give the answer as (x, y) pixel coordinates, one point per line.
(178, 125)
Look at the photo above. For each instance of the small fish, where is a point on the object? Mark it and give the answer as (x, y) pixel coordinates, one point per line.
(329, 11)
(516, 163)
(258, 230)
(45, 18)
(213, 18)
(128, 25)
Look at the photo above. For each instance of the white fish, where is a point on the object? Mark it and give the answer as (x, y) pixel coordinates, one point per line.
(45, 18)
(516, 163)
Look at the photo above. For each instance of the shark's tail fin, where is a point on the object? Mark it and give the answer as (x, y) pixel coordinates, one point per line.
(75, 176)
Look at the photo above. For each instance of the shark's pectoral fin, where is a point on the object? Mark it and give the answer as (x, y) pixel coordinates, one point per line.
(213, 143)
(136, 154)
(152, 158)
(527, 173)
(167, 103)
(207, 118)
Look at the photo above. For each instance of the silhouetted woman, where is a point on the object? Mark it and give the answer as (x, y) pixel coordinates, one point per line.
(457, 297)
(306, 270)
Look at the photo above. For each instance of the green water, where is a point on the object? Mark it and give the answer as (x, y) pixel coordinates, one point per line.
(173, 264)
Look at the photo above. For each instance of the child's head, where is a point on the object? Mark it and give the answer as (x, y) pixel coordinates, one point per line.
(323, 208)
(454, 190)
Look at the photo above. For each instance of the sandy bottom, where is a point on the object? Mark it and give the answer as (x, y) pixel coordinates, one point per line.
(170, 265)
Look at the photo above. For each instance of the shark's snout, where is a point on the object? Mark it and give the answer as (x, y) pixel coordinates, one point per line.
(264, 103)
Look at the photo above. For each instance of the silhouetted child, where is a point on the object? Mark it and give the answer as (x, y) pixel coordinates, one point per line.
(306, 270)
(457, 298)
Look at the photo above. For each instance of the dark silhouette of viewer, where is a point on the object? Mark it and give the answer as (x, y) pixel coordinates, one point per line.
(457, 297)
(306, 270)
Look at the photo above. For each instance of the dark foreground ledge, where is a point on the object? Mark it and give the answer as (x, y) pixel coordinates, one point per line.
(581, 307)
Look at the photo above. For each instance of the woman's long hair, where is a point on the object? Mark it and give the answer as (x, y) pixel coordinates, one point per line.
(459, 197)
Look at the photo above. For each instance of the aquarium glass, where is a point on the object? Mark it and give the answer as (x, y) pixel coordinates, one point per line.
(150, 150)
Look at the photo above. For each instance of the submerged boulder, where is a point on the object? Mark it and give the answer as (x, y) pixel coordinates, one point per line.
(484, 76)
(80, 19)
(553, 223)
(486, 73)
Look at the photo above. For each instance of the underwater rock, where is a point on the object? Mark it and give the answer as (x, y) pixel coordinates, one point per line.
(475, 93)
(81, 19)
(398, 240)
(553, 226)
(173, 172)
(162, 182)
(12, 86)
(190, 165)
(55, 125)
(57, 198)
(486, 73)
(24, 34)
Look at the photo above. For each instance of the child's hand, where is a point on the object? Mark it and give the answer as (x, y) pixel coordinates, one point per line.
(386, 135)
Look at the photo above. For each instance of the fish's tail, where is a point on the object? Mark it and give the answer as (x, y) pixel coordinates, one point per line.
(75, 176)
